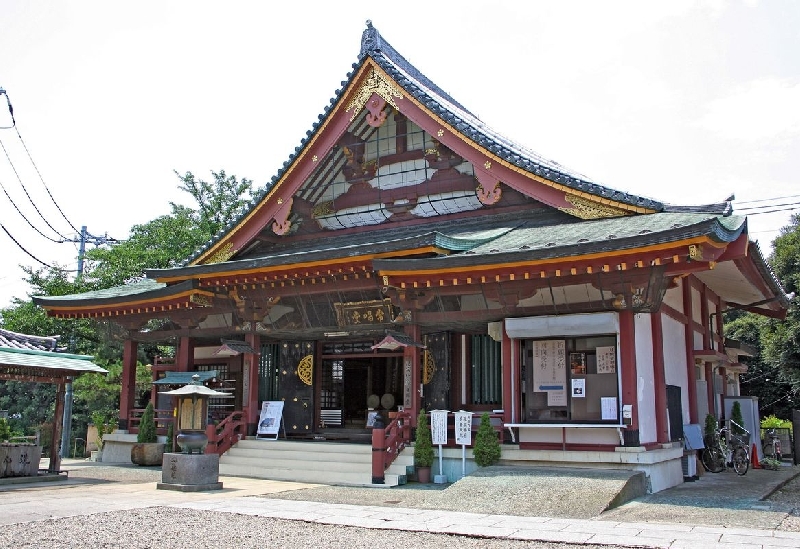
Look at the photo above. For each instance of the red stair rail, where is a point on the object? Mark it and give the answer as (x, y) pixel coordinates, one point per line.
(388, 442)
(226, 433)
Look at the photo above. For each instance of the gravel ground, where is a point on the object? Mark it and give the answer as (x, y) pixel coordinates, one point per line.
(499, 489)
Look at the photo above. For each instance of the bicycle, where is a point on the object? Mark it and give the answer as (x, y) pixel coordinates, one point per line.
(718, 453)
(772, 448)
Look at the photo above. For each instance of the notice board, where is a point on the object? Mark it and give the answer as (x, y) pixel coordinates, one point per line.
(269, 423)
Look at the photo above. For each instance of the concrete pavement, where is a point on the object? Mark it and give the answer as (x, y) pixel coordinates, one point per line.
(76, 496)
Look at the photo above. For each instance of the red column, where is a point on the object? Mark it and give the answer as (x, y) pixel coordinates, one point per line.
(659, 378)
(127, 397)
(627, 355)
(689, 338)
(184, 362)
(250, 404)
(412, 354)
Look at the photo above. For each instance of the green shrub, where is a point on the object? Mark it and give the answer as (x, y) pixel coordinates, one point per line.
(147, 425)
(423, 445)
(737, 421)
(5, 430)
(774, 422)
(710, 429)
(487, 446)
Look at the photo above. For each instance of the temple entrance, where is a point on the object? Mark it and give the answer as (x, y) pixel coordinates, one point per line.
(354, 388)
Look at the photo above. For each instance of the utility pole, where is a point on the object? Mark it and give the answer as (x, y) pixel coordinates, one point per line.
(66, 425)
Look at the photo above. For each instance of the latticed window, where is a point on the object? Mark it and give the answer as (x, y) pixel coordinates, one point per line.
(486, 368)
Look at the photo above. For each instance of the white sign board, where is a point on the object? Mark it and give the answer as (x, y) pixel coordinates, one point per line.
(606, 360)
(550, 370)
(270, 421)
(464, 428)
(439, 426)
(608, 408)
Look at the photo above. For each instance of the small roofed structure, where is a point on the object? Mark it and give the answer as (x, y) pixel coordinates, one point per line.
(35, 359)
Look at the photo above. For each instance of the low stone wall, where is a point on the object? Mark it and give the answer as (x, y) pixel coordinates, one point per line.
(19, 460)
(661, 466)
(117, 447)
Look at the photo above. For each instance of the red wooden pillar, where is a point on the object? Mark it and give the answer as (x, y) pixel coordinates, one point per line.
(659, 378)
(627, 356)
(691, 383)
(184, 362)
(411, 359)
(127, 397)
(250, 404)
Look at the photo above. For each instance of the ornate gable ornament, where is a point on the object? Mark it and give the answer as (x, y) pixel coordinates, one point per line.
(588, 209)
(378, 84)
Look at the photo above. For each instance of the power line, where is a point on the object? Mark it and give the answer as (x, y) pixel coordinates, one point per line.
(35, 167)
(769, 199)
(21, 247)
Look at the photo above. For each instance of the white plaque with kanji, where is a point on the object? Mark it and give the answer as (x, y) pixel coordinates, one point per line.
(439, 426)
(464, 428)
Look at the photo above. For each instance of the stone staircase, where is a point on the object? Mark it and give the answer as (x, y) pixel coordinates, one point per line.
(314, 462)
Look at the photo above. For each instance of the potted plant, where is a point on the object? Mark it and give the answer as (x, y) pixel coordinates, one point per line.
(147, 450)
(487, 445)
(423, 449)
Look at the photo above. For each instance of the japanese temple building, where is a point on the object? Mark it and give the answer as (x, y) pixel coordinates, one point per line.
(407, 256)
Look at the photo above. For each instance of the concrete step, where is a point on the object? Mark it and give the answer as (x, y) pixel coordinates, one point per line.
(312, 462)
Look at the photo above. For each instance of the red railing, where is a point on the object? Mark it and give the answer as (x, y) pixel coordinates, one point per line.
(226, 433)
(388, 442)
(163, 419)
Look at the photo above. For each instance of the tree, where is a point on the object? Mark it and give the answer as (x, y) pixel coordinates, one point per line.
(487, 445)
(219, 202)
(781, 341)
(737, 421)
(147, 425)
(423, 443)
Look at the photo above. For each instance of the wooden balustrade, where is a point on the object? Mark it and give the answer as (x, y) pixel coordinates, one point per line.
(388, 442)
(226, 433)
(163, 419)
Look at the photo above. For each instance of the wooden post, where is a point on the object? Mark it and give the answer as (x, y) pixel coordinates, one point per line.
(691, 381)
(659, 378)
(127, 397)
(627, 355)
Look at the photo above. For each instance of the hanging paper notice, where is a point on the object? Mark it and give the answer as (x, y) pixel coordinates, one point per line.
(464, 428)
(270, 421)
(557, 398)
(579, 388)
(608, 407)
(606, 360)
(549, 366)
(439, 426)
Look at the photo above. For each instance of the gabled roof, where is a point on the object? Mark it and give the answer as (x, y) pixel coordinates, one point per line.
(26, 357)
(377, 52)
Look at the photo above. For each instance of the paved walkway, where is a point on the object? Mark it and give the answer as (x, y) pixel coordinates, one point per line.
(40, 501)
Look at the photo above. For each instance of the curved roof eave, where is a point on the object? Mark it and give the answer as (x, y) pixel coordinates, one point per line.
(139, 291)
(713, 228)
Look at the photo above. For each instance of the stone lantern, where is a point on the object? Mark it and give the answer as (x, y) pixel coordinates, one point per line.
(189, 471)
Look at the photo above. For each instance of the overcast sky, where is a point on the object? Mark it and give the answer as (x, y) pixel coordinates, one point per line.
(683, 102)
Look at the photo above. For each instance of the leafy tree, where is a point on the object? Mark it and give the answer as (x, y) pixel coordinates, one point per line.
(737, 420)
(423, 443)
(219, 202)
(487, 445)
(147, 425)
(781, 341)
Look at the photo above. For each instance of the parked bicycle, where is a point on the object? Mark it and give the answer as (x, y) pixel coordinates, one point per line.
(727, 447)
(772, 447)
